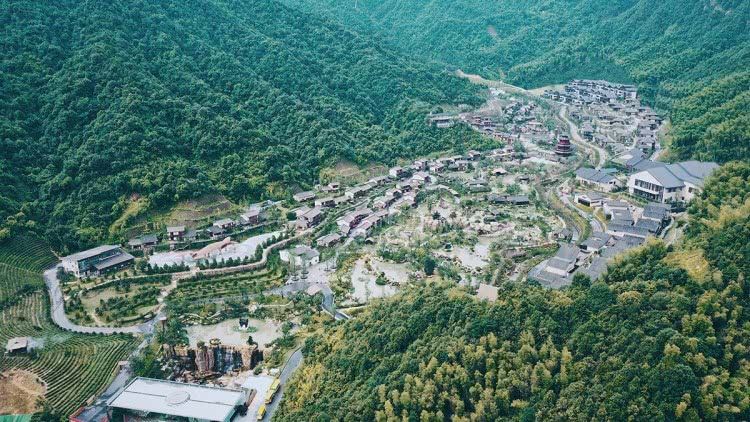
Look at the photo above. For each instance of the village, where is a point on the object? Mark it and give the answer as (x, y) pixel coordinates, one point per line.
(545, 205)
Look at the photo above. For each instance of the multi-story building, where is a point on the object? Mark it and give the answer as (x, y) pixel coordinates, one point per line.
(96, 261)
(678, 182)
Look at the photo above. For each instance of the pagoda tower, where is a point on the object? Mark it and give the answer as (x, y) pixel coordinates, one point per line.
(563, 147)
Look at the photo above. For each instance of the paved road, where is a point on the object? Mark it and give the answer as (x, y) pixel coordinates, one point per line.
(57, 309)
(580, 141)
(291, 365)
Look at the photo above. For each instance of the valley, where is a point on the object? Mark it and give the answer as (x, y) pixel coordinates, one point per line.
(281, 271)
(304, 210)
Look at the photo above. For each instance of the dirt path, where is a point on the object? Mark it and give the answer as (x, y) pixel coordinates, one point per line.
(479, 80)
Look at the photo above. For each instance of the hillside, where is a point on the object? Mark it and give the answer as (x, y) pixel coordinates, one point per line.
(649, 342)
(675, 50)
(106, 102)
(62, 360)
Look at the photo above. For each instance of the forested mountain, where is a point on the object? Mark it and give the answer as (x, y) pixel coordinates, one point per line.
(104, 102)
(651, 341)
(679, 52)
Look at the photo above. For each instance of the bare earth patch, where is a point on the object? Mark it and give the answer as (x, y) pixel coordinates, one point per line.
(20, 392)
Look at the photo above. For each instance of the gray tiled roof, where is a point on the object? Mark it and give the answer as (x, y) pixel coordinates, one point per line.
(115, 260)
(89, 253)
(665, 177)
(567, 252)
(650, 225)
(675, 175)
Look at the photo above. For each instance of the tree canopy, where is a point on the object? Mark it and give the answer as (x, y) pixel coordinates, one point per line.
(104, 103)
(646, 342)
(688, 57)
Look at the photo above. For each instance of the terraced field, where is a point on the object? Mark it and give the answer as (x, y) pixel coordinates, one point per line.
(22, 260)
(74, 366)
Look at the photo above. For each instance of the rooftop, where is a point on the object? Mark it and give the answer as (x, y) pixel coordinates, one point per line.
(113, 261)
(17, 343)
(178, 399)
(597, 176)
(90, 253)
(305, 251)
(675, 175)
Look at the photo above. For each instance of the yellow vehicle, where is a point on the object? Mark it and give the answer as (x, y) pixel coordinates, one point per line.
(272, 390)
(261, 412)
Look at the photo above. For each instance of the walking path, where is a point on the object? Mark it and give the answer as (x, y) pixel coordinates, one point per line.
(60, 318)
(57, 301)
(57, 309)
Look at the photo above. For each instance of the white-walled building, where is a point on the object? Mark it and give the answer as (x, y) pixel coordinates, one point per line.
(678, 182)
(96, 261)
(602, 179)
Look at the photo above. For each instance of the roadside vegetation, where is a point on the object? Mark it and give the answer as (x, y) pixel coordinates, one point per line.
(650, 341)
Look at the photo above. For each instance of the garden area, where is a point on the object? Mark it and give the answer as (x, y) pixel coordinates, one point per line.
(120, 302)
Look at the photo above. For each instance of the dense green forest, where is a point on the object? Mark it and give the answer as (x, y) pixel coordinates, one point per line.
(648, 342)
(691, 57)
(102, 103)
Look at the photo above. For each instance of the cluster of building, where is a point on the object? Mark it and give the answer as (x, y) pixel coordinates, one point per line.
(611, 114)
(218, 229)
(514, 119)
(514, 122)
(110, 258)
(403, 183)
(627, 226)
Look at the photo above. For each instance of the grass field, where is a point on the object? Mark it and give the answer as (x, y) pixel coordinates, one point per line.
(191, 213)
(74, 366)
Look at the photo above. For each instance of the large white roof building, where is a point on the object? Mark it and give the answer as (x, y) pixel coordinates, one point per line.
(195, 402)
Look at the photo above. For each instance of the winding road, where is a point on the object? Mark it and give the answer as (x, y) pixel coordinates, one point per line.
(577, 139)
(57, 309)
(295, 360)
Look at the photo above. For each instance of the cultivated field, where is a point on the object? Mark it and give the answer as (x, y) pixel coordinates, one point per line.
(22, 260)
(73, 366)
